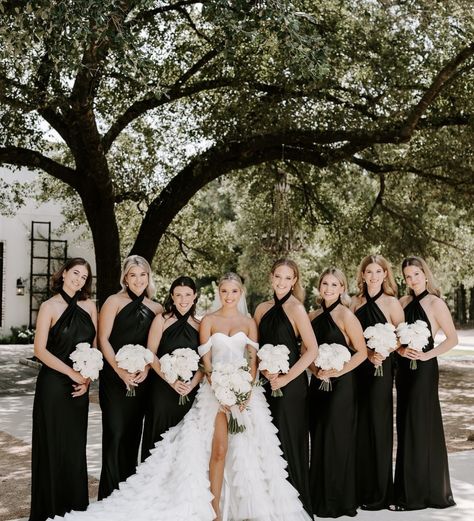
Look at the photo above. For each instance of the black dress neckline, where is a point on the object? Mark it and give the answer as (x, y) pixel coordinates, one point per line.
(134, 296)
(422, 295)
(281, 301)
(331, 307)
(179, 316)
(69, 300)
(368, 298)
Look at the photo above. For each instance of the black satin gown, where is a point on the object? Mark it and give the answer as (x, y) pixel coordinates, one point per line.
(59, 466)
(122, 416)
(421, 471)
(375, 421)
(290, 411)
(163, 410)
(333, 420)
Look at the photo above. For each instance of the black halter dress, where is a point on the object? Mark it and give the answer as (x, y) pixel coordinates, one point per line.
(333, 432)
(122, 416)
(290, 411)
(163, 410)
(375, 420)
(59, 467)
(421, 471)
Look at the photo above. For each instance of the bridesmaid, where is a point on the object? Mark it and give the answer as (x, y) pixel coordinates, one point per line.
(59, 467)
(334, 413)
(283, 320)
(376, 303)
(125, 318)
(177, 327)
(421, 472)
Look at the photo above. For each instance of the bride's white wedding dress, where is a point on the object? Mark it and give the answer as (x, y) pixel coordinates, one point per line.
(173, 483)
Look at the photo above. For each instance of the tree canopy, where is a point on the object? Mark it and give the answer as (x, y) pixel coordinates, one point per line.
(367, 103)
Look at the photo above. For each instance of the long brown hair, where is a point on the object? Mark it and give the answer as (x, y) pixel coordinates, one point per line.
(431, 284)
(297, 290)
(339, 274)
(389, 285)
(57, 277)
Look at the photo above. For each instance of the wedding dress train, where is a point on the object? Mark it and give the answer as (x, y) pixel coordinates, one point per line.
(173, 483)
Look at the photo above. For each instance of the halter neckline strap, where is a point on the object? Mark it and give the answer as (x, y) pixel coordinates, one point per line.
(421, 295)
(332, 306)
(67, 298)
(375, 297)
(134, 296)
(280, 302)
(179, 316)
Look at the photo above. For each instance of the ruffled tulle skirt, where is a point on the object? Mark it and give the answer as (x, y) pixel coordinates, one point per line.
(173, 483)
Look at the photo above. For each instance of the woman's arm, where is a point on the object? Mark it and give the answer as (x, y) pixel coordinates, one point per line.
(310, 353)
(204, 335)
(106, 321)
(443, 317)
(354, 331)
(44, 323)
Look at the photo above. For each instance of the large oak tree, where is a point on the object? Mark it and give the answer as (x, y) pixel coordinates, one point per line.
(201, 89)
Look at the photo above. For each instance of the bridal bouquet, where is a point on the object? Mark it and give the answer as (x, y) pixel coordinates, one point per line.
(180, 365)
(331, 356)
(382, 339)
(87, 360)
(274, 359)
(133, 358)
(232, 384)
(415, 336)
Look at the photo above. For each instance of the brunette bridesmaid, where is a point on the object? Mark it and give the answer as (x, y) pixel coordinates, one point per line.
(125, 318)
(421, 471)
(375, 303)
(59, 467)
(334, 413)
(176, 328)
(283, 320)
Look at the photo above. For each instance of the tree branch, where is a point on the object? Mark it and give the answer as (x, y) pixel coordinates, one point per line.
(33, 160)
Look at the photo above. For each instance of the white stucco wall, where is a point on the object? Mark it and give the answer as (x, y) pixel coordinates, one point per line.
(15, 234)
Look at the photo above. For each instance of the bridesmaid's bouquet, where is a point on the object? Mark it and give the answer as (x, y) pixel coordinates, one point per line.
(331, 356)
(274, 359)
(87, 360)
(133, 358)
(180, 365)
(232, 384)
(382, 339)
(415, 336)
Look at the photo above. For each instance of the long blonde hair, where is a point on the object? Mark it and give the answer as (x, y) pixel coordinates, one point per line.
(339, 274)
(137, 260)
(431, 284)
(389, 285)
(297, 290)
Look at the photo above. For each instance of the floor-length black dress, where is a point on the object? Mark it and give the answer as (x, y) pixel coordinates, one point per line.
(421, 471)
(59, 466)
(333, 430)
(122, 416)
(163, 410)
(290, 411)
(374, 420)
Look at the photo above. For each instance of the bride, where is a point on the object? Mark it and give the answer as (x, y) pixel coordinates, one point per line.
(199, 472)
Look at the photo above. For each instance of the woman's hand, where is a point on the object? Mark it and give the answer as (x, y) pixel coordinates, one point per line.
(141, 375)
(412, 354)
(127, 378)
(80, 389)
(328, 373)
(278, 381)
(270, 376)
(77, 377)
(181, 388)
(376, 358)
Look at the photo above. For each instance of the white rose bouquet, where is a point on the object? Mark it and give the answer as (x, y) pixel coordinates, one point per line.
(382, 339)
(87, 360)
(133, 358)
(232, 384)
(415, 336)
(180, 365)
(331, 356)
(274, 359)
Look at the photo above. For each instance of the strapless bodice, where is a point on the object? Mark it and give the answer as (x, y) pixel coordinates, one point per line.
(225, 348)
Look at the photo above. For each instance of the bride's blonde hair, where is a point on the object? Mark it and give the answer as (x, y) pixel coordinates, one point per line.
(232, 277)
